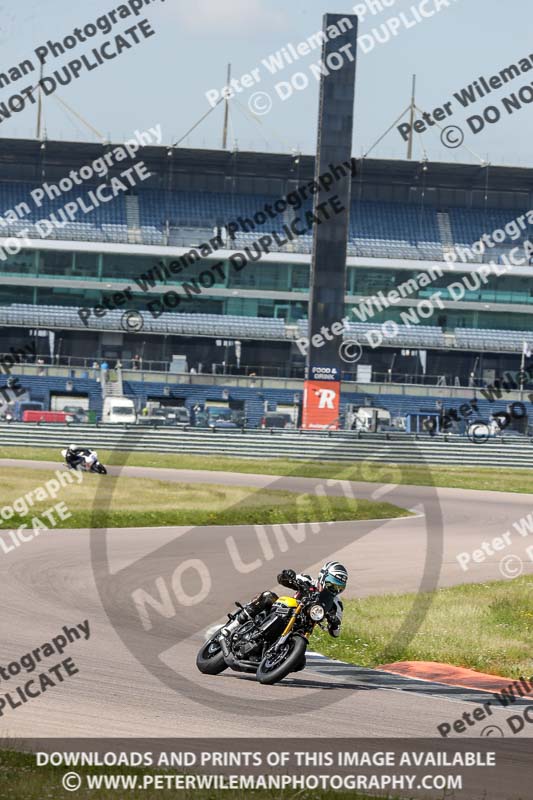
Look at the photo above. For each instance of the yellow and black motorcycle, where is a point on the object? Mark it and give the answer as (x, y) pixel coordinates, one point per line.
(272, 641)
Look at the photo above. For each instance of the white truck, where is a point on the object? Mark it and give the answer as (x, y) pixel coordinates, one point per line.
(119, 411)
(366, 418)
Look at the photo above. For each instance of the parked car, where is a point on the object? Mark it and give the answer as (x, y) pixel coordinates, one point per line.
(76, 414)
(277, 419)
(155, 418)
(223, 417)
(177, 415)
(172, 416)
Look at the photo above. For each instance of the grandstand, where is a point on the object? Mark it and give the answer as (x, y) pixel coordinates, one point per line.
(405, 218)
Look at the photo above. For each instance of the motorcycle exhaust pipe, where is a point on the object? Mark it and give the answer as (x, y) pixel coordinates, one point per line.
(225, 649)
(231, 661)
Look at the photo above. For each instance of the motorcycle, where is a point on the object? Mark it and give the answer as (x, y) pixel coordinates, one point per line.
(272, 642)
(96, 466)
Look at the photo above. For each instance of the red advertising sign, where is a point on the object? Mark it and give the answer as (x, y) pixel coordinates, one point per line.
(321, 405)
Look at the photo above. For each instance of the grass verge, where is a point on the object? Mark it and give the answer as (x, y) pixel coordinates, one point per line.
(106, 501)
(483, 478)
(487, 627)
(22, 780)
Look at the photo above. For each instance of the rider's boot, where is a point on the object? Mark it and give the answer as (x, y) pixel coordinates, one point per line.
(262, 602)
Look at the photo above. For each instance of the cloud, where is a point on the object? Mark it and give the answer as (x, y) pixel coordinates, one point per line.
(250, 18)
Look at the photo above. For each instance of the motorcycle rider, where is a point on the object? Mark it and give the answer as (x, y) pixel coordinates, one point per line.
(332, 578)
(77, 455)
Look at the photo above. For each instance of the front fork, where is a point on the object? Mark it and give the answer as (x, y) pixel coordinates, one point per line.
(288, 630)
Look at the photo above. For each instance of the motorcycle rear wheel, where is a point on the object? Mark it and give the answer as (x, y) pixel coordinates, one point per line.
(271, 670)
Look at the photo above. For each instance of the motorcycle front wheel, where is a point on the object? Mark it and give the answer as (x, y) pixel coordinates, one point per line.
(277, 664)
(100, 469)
(210, 658)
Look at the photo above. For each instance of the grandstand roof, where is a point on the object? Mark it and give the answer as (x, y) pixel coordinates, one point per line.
(26, 159)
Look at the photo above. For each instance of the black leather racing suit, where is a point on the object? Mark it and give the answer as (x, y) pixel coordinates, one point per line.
(76, 456)
(288, 578)
(291, 580)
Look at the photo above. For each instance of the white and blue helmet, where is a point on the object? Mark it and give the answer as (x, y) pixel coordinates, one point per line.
(333, 576)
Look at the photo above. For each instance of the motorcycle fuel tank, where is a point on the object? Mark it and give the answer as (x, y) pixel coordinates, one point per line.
(290, 602)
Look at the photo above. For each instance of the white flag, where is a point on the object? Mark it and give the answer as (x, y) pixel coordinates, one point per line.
(526, 349)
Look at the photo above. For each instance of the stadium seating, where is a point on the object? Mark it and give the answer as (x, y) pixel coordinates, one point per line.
(259, 328)
(179, 218)
(67, 317)
(492, 339)
(468, 224)
(107, 223)
(424, 336)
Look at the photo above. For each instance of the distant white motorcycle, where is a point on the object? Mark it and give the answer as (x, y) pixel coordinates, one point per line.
(89, 462)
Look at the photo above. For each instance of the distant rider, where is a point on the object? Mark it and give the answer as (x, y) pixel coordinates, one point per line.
(77, 455)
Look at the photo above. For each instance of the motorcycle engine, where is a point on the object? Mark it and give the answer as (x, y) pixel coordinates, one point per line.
(273, 626)
(245, 640)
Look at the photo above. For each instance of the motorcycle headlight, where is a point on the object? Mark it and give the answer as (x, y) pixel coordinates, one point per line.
(316, 613)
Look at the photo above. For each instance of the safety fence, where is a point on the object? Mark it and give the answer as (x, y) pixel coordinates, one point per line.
(503, 451)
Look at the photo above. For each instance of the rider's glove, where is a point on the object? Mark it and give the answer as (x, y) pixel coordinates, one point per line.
(334, 619)
(287, 577)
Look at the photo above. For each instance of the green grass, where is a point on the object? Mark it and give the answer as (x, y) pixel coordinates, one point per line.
(483, 478)
(106, 501)
(20, 779)
(487, 627)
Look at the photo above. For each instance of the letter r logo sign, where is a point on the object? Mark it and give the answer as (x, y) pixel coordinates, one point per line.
(327, 398)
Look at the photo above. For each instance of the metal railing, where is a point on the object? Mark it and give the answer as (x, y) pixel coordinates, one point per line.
(344, 446)
(79, 362)
(248, 375)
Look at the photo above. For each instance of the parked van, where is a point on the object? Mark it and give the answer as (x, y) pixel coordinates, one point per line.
(119, 411)
(366, 418)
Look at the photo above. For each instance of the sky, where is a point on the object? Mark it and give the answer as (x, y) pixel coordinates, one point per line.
(165, 78)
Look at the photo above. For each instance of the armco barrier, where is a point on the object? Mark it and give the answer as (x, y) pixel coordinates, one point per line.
(338, 445)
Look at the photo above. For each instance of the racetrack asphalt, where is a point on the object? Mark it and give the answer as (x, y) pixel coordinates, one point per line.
(54, 580)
